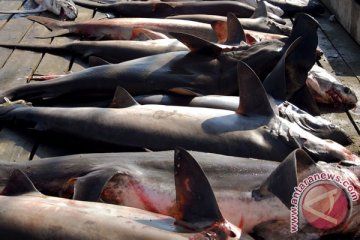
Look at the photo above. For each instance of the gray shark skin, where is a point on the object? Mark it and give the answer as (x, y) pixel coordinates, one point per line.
(318, 126)
(113, 51)
(123, 28)
(261, 24)
(143, 180)
(162, 9)
(58, 218)
(253, 130)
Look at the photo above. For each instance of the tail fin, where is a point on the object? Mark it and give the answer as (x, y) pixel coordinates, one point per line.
(58, 27)
(197, 205)
(36, 47)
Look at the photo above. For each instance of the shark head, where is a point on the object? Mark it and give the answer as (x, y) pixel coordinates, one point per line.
(66, 9)
(328, 90)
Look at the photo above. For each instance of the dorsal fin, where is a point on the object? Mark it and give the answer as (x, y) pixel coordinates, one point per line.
(235, 31)
(275, 83)
(195, 200)
(122, 99)
(18, 184)
(150, 34)
(97, 61)
(284, 178)
(196, 44)
(253, 98)
(260, 10)
(304, 26)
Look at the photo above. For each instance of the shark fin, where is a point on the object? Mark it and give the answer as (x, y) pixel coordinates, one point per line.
(235, 31)
(97, 61)
(260, 10)
(276, 82)
(196, 44)
(196, 203)
(90, 186)
(47, 22)
(150, 34)
(184, 91)
(253, 98)
(122, 99)
(284, 178)
(19, 183)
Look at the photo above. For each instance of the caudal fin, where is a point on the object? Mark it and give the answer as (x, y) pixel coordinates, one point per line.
(58, 28)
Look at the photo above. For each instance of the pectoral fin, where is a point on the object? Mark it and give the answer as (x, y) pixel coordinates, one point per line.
(90, 186)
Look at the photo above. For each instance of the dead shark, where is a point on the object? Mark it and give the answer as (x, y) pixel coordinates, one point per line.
(205, 70)
(318, 126)
(157, 9)
(144, 180)
(197, 213)
(66, 9)
(253, 130)
(261, 24)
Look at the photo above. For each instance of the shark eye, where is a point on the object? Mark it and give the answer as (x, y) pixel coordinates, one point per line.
(347, 90)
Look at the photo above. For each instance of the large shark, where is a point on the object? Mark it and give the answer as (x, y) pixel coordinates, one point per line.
(253, 130)
(205, 70)
(28, 214)
(144, 180)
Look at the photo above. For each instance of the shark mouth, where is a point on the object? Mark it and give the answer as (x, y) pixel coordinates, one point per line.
(338, 99)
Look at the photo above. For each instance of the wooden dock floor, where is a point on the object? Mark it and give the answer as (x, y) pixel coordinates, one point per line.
(341, 57)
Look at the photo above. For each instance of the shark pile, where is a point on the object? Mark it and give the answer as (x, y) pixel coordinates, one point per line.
(221, 95)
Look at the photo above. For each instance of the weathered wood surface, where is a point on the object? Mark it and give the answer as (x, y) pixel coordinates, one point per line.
(348, 13)
(341, 58)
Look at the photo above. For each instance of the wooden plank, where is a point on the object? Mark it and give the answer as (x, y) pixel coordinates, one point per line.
(348, 13)
(23, 63)
(343, 55)
(15, 145)
(12, 31)
(6, 6)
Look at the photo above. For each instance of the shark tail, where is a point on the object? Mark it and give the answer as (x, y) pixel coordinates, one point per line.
(34, 47)
(58, 28)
